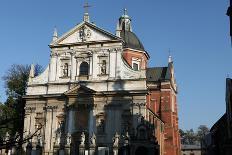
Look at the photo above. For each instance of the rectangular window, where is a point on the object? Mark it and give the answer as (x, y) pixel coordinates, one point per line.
(135, 66)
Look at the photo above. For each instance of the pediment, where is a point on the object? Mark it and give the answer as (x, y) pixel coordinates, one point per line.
(79, 89)
(84, 32)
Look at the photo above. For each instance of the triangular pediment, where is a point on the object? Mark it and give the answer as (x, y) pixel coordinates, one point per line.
(85, 32)
(79, 89)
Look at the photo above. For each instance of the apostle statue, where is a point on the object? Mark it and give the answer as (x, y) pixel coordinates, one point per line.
(116, 140)
(93, 140)
(69, 139)
(82, 139)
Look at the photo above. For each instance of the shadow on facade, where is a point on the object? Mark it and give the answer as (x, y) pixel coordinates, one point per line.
(105, 123)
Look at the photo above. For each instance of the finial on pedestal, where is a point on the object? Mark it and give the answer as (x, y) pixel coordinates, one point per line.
(169, 56)
(55, 35)
(32, 71)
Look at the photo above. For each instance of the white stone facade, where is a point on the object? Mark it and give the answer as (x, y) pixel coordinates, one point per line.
(87, 87)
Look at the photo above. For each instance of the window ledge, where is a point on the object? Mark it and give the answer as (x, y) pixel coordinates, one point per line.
(102, 74)
(64, 77)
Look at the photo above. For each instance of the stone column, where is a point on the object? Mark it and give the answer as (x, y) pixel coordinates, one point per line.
(73, 66)
(53, 67)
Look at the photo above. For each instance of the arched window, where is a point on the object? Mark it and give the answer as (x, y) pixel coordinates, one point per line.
(65, 70)
(84, 68)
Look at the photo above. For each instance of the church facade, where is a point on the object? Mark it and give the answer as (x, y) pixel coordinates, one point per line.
(98, 96)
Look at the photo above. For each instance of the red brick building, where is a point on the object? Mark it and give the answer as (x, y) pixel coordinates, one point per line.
(162, 110)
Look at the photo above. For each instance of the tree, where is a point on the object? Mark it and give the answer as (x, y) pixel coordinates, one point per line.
(189, 137)
(202, 131)
(12, 115)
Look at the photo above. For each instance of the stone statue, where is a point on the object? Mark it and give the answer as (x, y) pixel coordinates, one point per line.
(82, 139)
(93, 140)
(58, 138)
(17, 137)
(7, 137)
(69, 139)
(126, 139)
(39, 140)
(116, 140)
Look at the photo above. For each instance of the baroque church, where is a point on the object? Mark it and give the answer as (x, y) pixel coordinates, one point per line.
(99, 97)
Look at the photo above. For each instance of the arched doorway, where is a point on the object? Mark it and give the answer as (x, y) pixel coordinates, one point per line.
(141, 151)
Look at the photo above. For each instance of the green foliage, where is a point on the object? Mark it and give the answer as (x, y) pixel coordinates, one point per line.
(16, 79)
(12, 111)
(189, 137)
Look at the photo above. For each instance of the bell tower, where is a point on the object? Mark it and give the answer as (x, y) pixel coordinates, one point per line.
(133, 50)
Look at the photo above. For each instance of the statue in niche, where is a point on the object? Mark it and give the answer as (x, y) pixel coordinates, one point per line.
(103, 67)
(65, 70)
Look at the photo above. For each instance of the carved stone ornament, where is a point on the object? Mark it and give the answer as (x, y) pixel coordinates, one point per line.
(84, 33)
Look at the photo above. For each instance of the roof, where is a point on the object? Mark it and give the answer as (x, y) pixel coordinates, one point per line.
(219, 123)
(78, 27)
(158, 73)
(131, 40)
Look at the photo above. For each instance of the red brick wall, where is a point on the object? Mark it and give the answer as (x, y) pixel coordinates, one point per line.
(128, 54)
(160, 101)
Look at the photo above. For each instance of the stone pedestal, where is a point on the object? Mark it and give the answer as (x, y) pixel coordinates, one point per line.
(92, 150)
(13, 150)
(82, 150)
(38, 150)
(61, 152)
(68, 149)
(29, 148)
(115, 150)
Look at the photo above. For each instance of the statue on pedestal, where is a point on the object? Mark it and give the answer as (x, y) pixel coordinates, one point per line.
(126, 139)
(69, 139)
(116, 140)
(93, 140)
(7, 137)
(82, 139)
(58, 138)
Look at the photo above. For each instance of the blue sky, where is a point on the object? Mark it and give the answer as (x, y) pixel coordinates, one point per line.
(195, 31)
